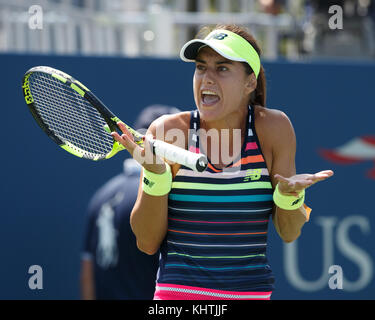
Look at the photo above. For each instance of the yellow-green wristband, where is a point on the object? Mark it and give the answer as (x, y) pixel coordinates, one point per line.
(157, 184)
(288, 202)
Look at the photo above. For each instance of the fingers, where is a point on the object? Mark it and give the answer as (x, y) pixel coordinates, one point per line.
(321, 175)
(123, 128)
(126, 139)
(296, 187)
(144, 156)
(324, 174)
(300, 185)
(297, 183)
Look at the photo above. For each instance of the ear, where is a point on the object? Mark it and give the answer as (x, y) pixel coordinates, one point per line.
(251, 83)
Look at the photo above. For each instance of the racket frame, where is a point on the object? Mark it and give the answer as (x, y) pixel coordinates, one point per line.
(197, 162)
(85, 93)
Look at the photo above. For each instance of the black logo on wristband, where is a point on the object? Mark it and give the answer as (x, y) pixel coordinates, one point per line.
(296, 201)
(148, 182)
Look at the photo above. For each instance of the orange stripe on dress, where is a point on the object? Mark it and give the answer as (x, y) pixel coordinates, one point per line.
(249, 159)
(246, 160)
(213, 168)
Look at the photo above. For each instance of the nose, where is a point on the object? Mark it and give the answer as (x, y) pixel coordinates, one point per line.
(208, 77)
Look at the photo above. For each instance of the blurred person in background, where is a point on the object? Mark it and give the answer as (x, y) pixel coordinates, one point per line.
(274, 7)
(355, 38)
(112, 267)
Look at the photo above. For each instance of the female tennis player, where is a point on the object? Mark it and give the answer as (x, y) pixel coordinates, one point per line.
(211, 227)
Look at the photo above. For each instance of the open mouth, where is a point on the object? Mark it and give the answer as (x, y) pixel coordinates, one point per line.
(209, 98)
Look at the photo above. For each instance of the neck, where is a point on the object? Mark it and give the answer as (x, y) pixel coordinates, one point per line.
(223, 139)
(234, 120)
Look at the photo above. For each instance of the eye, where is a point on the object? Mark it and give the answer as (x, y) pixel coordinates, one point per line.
(222, 68)
(200, 67)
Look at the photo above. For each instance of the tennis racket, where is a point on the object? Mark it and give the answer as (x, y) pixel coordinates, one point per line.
(74, 118)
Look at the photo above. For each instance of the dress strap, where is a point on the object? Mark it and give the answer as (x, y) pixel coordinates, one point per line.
(193, 132)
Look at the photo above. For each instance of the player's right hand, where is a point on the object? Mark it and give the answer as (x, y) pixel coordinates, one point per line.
(143, 155)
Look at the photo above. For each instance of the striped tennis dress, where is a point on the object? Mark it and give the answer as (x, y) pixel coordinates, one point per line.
(215, 247)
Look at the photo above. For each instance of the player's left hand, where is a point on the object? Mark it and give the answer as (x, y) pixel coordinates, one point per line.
(293, 185)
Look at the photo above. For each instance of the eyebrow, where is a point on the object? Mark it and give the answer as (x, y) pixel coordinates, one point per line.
(219, 62)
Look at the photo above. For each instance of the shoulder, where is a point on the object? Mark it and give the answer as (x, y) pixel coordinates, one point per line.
(170, 121)
(171, 127)
(271, 117)
(273, 124)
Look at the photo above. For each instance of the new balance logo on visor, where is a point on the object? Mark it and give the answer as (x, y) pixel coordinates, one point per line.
(218, 36)
(148, 182)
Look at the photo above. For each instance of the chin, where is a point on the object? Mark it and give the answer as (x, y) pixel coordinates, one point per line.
(210, 113)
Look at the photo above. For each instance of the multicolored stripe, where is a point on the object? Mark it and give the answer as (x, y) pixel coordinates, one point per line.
(217, 228)
(178, 292)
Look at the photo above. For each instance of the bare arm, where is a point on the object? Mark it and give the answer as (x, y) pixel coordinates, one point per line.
(149, 220)
(87, 280)
(289, 223)
(149, 217)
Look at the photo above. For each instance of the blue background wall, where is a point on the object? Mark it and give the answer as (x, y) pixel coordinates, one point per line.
(44, 190)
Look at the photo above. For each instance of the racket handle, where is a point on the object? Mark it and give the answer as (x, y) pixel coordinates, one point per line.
(195, 161)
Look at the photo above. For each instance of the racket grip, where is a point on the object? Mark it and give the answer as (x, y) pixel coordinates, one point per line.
(195, 161)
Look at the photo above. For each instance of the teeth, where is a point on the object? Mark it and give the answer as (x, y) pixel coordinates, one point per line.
(208, 92)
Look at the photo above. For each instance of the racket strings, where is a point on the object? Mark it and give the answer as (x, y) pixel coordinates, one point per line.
(70, 116)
